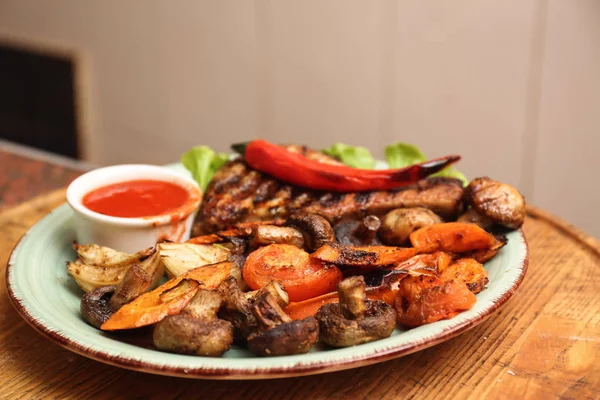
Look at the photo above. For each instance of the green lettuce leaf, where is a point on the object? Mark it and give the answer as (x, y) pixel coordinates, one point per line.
(353, 156)
(203, 163)
(400, 155)
(451, 172)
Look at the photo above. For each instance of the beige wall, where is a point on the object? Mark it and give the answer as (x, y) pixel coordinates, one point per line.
(511, 85)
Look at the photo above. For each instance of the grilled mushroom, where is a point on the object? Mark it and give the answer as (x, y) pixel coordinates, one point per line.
(355, 319)
(236, 309)
(237, 306)
(94, 306)
(135, 282)
(363, 232)
(98, 305)
(263, 235)
(197, 330)
(277, 334)
(316, 230)
(497, 201)
(398, 224)
(473, 217)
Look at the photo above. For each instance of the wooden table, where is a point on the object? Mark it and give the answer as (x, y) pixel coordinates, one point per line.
(544, 343)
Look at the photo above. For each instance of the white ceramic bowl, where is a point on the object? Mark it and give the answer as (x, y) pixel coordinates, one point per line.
(131, 234)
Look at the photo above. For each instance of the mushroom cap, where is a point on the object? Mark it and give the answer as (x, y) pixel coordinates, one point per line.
(337, 331)
(473, 217)
(95, 307)
(295, 337)
(346, 231)
(398, 224)
(315, 229)
(498, 201)
(184, 334)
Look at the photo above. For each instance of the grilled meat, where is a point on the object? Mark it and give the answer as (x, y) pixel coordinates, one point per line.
(238, 193)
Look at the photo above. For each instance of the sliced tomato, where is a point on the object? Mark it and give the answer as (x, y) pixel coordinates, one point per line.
(301, 276)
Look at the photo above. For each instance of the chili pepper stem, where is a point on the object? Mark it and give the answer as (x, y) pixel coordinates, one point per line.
(240, 148)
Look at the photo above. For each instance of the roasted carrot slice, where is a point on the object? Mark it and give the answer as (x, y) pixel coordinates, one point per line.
(300, 275)
(426, 299)
(452, 237)
(357, 256)
(302, 309)
(168, 299)
(307, 308)
(221, 236)
(468, 271)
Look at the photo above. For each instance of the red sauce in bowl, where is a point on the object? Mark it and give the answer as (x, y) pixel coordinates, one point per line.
(138, 198)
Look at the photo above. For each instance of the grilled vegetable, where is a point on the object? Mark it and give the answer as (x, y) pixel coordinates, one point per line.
(362, 256)
(467, 271)
(94, 306)
(453, 237)
(301, 276)
(354, 320)
(167, 299)
(99, 266)
(300, 171)
(277, 334)
(315, 229)
(182, 257)
(426, 299)
(197, 330)
(421, 264)
(398, 224)
(497, 201)
(358, 233)
(263, 235)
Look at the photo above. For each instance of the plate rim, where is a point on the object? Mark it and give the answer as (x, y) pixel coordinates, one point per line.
(202, 372)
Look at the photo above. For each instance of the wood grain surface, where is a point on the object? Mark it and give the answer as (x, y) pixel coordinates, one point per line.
(544, 343)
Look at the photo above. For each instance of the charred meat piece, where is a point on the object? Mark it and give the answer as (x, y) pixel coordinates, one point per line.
(497, 201)
(196, 330)
(354, 320)
(277, 334)
(398, 224)
(238, 193)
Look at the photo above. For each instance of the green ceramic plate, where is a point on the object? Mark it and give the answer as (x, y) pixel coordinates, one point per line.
(48, 299)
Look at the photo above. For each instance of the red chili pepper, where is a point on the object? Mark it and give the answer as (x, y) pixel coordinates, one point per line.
(298, 170)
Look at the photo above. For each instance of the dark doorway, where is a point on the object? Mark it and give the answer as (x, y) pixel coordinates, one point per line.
(37, 100)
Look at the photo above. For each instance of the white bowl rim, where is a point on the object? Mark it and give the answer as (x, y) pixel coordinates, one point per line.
(155, 173)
